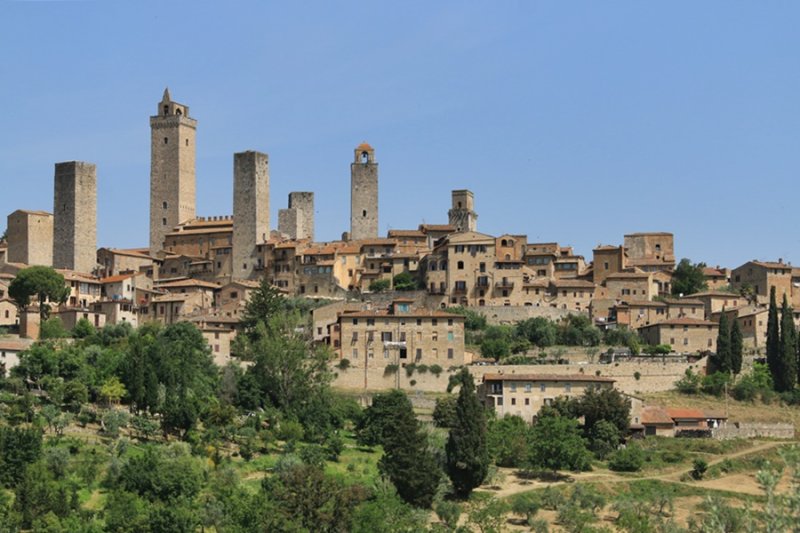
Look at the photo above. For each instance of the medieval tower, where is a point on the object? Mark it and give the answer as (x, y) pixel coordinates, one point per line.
(172, 169)
(75, 216)
(250, 211)
(297, 222)
(462, 215)
(364, 194)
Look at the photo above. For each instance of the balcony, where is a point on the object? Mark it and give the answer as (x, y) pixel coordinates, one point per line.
(436, 290)
(459, 289)
(504, 284)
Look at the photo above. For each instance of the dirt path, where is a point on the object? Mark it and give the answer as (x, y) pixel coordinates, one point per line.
(512, 485)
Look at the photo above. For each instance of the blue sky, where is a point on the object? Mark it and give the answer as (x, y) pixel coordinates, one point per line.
(574, 123)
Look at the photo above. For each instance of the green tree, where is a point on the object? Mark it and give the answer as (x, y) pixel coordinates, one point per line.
(557, 444)
(608, 404)
(19, 447)
(604, 438)
(722, 358)
(264, 303)
(444, 412)
(628, 459)
(387, 513)
(688, 278)
(83, 328)
(407, 460)
(788, 349)
(379, 417)
(774, 340)
(53, 328)
(379, 285)
(737, 347)
(467, 454)
(41, 282)
(508, 441)
(539, 331)
(404, 281)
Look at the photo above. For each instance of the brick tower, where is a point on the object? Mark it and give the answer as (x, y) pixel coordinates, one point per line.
(364, 194)
(462, 215)
(172, 169)
(250, 211)
(75, 216)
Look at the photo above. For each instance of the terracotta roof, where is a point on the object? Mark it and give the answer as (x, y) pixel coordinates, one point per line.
(772, 264)
(436, 227)
(33, 212)
(682, 322)
(547, 377)
(118, 277)
(416, 313)
(642, 303)
(654, 415)
(170, 298)
(364, 146)
(406, 233)
(188, 283)
(683, 413)
(604, 247)
(77, 276)
(719, 294)
(142, 253)
(682, 301)
(573, 283)
(708, 271)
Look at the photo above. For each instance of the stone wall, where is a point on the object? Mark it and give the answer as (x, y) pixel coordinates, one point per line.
(30, 238)
(250, 210)
(75, 216)
(303, 203)
(513, 314)
(654, 376)
(750, 430)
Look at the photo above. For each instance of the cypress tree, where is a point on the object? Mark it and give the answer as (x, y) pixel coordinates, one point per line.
(466, 450)
(773, 339)
(722, 361)
(407, 461)
(788, 349)
(737, 347)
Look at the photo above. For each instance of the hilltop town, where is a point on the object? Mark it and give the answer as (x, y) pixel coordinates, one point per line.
(533, 331)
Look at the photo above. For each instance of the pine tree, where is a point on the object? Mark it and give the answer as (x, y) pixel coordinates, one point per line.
(722, 361)
(407, 461)
(737, 347)
(773, 339)
(788, 349)
(466, 450)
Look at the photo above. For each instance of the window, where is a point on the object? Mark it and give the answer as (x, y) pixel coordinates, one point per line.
(419, 321)
(435, 353)
(686, 341)
(513, 387)
(513, 401)
(355, 353)
(164, 205)
(166, 140)
(419, 353)
(542, 387)
(386, 336)
(370, 321)
(527, 401)
(449, 321)
(460, 265)
(163, 221)
(355, 321)
(527, 387)
(450, 336)
(449, 353)
(567, 387)
(435, 336)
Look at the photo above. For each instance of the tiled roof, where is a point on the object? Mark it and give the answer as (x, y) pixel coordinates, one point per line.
(118, 277)
(406, 233)
(573, 283)
(683, 414)
(548, 377)
(772, 264)
(628, 275)
(683, 322)
(654, 415)
(415, 313)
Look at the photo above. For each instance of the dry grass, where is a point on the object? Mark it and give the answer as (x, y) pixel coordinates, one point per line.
(737, 411)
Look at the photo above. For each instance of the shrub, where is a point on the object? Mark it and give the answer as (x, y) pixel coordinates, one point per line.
(379, 285)
(422, 369)
(699, 467)
(552, 498)
(436, 370)
(344, 364)
(637, 375)
(689, 383)
(715, 383)
(444, 413)
(410, 368)
(390, 369)
(629, 459)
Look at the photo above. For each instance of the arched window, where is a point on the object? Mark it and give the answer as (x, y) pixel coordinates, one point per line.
(481, 302)
(178, 112)
(364, 157)
(166, 110)
(433, 266)
(166, 140)
(504, 243)
(443, 266)
(508, 257)
(461, 265)
(164, 205)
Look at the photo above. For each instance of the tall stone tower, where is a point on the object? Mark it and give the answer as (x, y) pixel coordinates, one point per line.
(364, 194)
(75, 216)
(462, 215)
(297, 222)
(250, 211)
(172, 169)
(30, 237)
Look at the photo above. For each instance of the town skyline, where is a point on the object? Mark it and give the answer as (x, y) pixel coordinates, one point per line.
(539, 177)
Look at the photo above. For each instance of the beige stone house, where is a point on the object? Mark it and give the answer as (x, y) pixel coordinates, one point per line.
(524, 395)
(761, 276)
(631, 286)
(687, 335)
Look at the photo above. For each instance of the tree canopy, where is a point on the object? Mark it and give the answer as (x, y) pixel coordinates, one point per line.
(688, 278)
(41, 282)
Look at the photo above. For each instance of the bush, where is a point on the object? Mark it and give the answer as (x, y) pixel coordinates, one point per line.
(689, 383)
(716, 383)
(344, 364)
(629, 459)
(379, 285)
(444, 413)
(436, 370)
(699, 467)
(404, 281)
(390, 369)
(53, 328)
(410, 368)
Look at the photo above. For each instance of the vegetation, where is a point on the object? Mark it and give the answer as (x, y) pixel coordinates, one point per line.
(379, 285)
(466, 452)
(39, 282)
(688, 278)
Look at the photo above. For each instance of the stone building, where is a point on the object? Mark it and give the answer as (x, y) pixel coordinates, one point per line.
(172, 169)
(462, 215)
(364, 194)
(688, 335)
(608, 260)
(761, 276)
(524, 395)
(75, 216)
(714, 301)
(651, 252)
(297, 222)
(113, 261)
(30, 238)
(399, 335)
(250, 211)
(631, 286)
(752, 323)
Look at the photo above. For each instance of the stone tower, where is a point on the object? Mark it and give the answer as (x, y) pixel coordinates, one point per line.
(75, 216)
(462, 215)
(250, 211)
(30, 238)
(297, 222)
(364, 194)
(172, 169)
